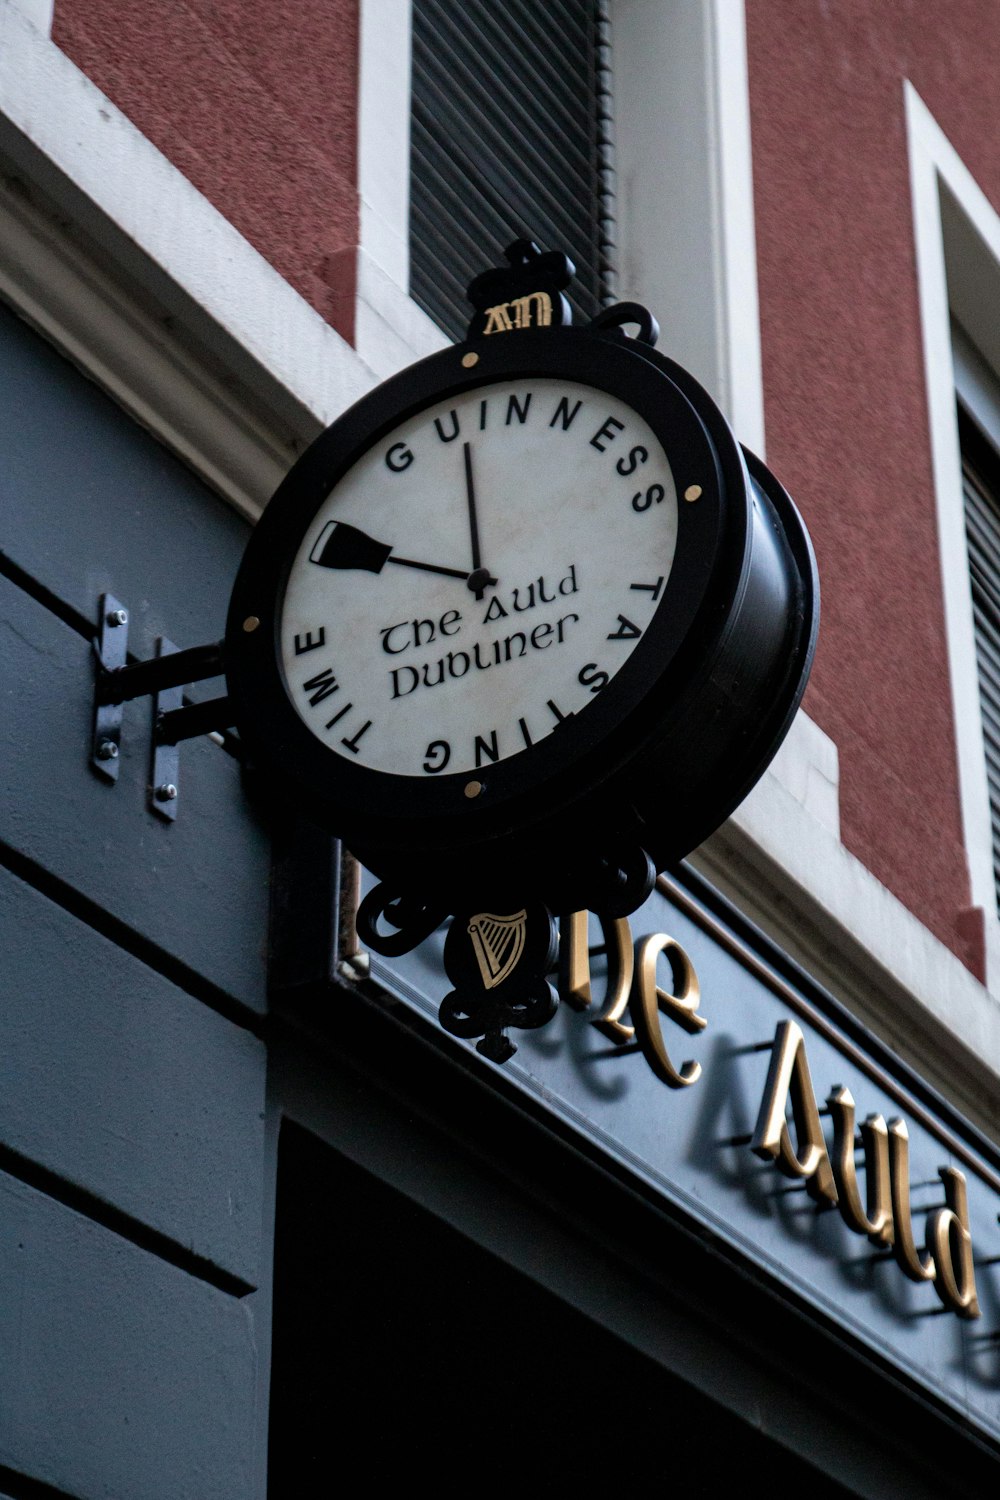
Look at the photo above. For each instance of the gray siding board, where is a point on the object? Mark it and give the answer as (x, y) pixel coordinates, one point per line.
(124, 1085)
(121, 1377)
(197, 888)
(91, 503)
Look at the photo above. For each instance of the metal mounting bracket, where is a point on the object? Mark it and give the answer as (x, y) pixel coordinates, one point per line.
(166, 759)
(162, 678)
(111, 649)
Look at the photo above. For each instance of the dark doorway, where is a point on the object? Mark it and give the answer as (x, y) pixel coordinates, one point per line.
(401, 1349)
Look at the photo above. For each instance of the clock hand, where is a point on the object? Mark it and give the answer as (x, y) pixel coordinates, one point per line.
(470, 490)
(344, 546)
(479, 579)
(407, 562)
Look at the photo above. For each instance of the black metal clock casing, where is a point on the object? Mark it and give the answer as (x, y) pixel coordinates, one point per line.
(570, 488)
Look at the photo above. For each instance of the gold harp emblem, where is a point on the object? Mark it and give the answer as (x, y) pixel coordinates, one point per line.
(498, 943)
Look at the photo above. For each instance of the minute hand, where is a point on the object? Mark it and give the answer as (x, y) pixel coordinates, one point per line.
(342, 546)
(470, 493)
(480, 579)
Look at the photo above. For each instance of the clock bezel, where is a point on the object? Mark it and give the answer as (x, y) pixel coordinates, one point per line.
(535, 786)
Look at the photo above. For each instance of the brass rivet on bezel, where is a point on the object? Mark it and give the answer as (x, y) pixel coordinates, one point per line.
(473, 788)
(693, 492)
(468, 360)
(250, 623)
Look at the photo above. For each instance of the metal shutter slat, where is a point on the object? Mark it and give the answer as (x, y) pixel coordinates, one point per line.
(506, 141)
(982, 522)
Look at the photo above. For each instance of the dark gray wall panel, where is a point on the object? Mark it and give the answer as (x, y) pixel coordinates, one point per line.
(198, 887)
(89, 502)
(119, 1082)
(121, 1377)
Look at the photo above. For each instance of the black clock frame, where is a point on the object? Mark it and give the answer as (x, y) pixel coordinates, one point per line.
(661, 755)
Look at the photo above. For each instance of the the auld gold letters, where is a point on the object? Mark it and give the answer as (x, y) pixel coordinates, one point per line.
(789, 1131)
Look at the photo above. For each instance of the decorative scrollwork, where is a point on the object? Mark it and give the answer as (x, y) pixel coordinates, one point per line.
(497, 963)
(412, 920)
(629, 312)
(620, 881)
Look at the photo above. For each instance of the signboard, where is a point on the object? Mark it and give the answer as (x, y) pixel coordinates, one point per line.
(746, 1098)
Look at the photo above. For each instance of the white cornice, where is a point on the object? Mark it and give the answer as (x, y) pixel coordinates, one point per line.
(779, 857)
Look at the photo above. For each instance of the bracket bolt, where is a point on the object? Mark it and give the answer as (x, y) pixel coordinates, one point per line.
(166, 793)
(107, 750)
(117, 617)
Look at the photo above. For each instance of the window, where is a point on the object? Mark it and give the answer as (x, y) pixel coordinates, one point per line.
(957, 237)
(510, 137)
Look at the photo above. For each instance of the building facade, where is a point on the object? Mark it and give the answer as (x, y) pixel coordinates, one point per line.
(261, 1215)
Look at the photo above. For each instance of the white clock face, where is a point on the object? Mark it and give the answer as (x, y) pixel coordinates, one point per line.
(477, 577)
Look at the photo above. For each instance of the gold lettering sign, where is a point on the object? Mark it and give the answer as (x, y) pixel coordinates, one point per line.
(499, 319)
(876, 1220)
(789, 1083)
(632, 986)
(648, 1001)
(788, 1131)
(541, 302)
(950, 1243)
(575, 977)
(885, 1217)
(911, 1262)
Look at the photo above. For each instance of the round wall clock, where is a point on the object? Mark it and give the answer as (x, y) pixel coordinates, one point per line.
(525, 622)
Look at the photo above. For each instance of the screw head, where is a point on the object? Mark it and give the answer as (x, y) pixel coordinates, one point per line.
(166, 793)
(107, 750)
(117, 617)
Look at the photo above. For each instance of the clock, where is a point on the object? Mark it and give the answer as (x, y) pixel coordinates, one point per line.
(524, 621)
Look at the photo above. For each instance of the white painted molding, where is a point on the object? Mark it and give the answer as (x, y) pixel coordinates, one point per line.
(152, 291)
(791, 874)
(384, 136)
(957, 239)
(685, 192)
(126, 350)
(807, 766)
(390, 330)
(38, 12)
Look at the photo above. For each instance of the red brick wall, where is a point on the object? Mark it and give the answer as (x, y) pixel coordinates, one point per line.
(255, 102)
(845, 398)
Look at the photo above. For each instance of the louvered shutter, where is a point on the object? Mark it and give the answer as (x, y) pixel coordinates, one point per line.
(982, 523)
(510, 138)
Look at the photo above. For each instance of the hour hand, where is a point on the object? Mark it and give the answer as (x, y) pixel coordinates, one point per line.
(342, 546)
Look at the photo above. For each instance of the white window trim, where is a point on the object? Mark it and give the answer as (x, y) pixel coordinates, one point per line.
(39, 13)
(686, 232)
(957, 234)
(390, 330)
